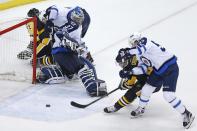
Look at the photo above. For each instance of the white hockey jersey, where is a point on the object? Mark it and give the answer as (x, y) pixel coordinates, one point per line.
(59, 16)
(152, 54)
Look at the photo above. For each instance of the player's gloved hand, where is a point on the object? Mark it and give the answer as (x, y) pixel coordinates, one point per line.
(125, 85)
(125, 74)
(89, 57)
(48, 27)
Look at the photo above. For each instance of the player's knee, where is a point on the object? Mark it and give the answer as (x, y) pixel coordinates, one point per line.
(169, 96)
(147, 90)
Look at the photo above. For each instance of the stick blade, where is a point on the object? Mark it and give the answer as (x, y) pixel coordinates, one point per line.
(77, 105)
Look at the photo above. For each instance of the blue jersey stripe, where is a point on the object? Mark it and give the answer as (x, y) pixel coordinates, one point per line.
(144, 100)
(165, 66)
(179, 102)
(140, 52)
(144, 47)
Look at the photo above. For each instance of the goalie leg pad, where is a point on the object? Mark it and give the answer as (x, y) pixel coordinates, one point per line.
(88, 64)
(50, 75)
(94, 87)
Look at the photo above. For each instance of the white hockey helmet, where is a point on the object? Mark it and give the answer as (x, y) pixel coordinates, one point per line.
(134, 39)
(77, 15)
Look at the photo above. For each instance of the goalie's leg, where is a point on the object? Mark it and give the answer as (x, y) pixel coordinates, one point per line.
(93, 86)
(50, 75)
(70, 62)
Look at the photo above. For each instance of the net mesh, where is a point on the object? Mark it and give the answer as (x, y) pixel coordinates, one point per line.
(11, 44)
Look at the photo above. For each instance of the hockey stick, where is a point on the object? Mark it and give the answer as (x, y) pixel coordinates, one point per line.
(75, 104)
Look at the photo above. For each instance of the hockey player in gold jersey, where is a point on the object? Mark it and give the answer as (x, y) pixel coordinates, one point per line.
(133, 84)
(43, 50)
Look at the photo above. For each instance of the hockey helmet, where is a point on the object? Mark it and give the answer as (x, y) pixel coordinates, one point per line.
(121, 58)
(125, 60)
(33, 12)
(77, 15)
(134, 39)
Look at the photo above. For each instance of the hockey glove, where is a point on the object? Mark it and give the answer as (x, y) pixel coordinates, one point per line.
(89, 57)
(83, 51)
(48, 27)
(125, 74)
(125, 85)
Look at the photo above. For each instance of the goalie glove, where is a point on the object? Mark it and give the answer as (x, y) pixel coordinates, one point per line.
(89, 57)
(83, 51)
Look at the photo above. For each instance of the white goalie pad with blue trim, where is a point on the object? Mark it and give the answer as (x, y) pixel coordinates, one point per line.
(50, 75)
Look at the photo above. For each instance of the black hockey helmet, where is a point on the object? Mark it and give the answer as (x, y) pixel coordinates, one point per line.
(33, 12)
(126, 61)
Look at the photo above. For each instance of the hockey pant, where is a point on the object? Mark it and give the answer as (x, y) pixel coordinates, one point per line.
(69, 63)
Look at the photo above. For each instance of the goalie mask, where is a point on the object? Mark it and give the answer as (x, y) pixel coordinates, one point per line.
(50, 75)
(77, 15)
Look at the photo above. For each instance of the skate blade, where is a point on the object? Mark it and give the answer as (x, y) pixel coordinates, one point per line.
(133, 117)
(188, 126)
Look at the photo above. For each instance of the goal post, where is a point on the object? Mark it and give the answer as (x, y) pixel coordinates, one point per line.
(8, 50)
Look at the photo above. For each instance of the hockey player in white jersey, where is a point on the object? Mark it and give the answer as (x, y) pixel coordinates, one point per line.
(74, 21)
(68, 27)
(165, 74)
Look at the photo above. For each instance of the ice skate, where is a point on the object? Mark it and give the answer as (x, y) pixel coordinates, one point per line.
(188, 118)
(110, 109)
(138, 112)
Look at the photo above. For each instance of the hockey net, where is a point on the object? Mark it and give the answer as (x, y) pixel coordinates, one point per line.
(14, 38)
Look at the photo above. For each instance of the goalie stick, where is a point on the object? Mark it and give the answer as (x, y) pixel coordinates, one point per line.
(75, 104)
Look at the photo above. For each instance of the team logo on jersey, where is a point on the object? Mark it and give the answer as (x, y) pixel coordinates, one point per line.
(146, 61)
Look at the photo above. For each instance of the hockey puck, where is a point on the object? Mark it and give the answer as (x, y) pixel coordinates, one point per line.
(48, 105)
